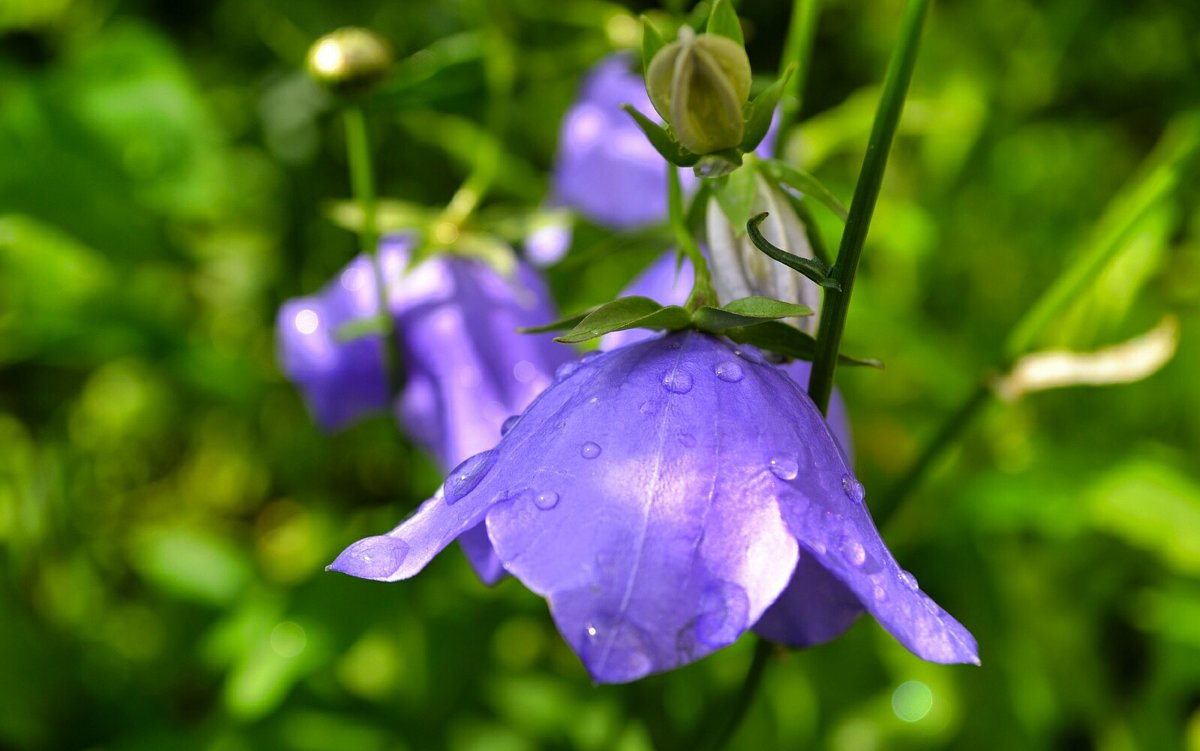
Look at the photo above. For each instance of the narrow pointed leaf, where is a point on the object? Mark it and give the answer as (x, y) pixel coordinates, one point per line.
(652, 42)
(747, 311)
(808, 185)
(815, 270)
(723, 21)
(627, 313)
(760, 111)
(662, 141)
(782, 339)
(563, 324)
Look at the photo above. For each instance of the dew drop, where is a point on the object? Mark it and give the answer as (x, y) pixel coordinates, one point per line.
(880, 593)
(565, 370)
(467, 475)
(372, 557)
(677, 381)
(589, 450)
(590, 356)
(730, 372)
(909, 580)
(546, 500)
(723, 611)
(750, 355)
(647, 408)
(784, 467)
(508, 424)
(854, 553)
(616, 653)
(853, 488)
(593, 401)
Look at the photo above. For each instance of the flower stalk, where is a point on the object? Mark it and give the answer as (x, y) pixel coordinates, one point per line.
(837, 301)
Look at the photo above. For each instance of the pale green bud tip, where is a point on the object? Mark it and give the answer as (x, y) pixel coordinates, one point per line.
(700, 84)
(349, 60)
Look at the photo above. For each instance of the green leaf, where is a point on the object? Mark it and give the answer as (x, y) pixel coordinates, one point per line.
(563, 324)
(661, 140)
(735, 193)
(815, 270)
(360, 329)
(782, 339)
(723, 21)
(760, 111)
(652, 42)
(757, 306)
(808, 185)
(627, 313)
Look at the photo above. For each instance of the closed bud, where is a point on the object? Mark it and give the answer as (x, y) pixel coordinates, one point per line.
(699, 84)
(350, 60)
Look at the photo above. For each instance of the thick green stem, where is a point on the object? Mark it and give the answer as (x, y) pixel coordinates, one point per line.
(362, 181)
(702, 289)
(837, 302)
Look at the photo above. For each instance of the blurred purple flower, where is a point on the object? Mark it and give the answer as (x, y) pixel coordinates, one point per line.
(466, 369)
(662, 496)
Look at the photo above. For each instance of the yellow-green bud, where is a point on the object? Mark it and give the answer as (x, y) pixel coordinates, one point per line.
(699, 84)
(350, 60)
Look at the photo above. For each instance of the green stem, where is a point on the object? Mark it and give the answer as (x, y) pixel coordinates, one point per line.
(362, 181)
(744, 699)
(702, 289)
(797, 49)
(837, 302)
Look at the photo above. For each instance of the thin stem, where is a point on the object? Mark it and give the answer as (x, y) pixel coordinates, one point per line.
(362, 181)
(797, 49)
(837, 303)
(745, 697)
(702, 289)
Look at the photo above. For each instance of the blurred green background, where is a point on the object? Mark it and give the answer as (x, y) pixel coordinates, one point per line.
(167, 507)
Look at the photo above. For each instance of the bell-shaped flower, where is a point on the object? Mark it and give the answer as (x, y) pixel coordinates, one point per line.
(465, 367)
(662, 496)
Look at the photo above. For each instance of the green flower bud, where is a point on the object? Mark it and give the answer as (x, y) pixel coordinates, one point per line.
(699, 84)
(350, 60)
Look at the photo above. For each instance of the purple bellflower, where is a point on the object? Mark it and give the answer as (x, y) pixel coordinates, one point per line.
(466, 369)
(662, 497)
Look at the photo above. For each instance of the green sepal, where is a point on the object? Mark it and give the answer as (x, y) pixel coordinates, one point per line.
(723, 21)
(563, 324)
(627, 313)
(735, 194)
(746, 311)
(361, 329)
(815, 270)
(661, 140)
(808, 185)
(760, 111)
(789, 341)
(652, 42)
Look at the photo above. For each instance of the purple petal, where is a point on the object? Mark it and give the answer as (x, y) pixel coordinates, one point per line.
(824, 508)
(663, 541)
(815, 608)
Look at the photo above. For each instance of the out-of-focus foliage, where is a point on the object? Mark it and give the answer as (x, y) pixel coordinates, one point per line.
(167, 507)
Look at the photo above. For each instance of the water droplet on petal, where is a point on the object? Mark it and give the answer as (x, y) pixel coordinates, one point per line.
(784, 467)
(590, 356)
(854, 553)
(546, 500)
(466, 476)
(372, 557)
(909, 580)
(853, 488)
(616, 653)
(589, 450)
(593, 401)
(880, 593)
(508, 424)
(565, 370)
(723, 611)
(730, 372)
(750, 355)
(647, 408)
(677, 381)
